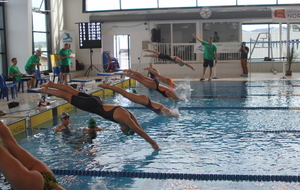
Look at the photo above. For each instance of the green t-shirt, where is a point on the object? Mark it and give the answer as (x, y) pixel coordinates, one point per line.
(209, 51)
(216, 39)
(15, 70)
(32, 59)
(63, 53)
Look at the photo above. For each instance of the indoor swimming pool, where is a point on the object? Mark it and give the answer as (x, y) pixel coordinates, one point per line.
(225, 128)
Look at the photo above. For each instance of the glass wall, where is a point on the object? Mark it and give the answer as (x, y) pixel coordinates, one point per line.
(41, 31)
(264, 40)
(221, 31)
(177, 40)
(102, 5)
(181, 32)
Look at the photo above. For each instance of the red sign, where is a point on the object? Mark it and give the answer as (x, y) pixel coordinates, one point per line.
(279, 13)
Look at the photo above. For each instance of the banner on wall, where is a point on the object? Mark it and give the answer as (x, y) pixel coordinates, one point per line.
(226, 47)
(285, 15)
(68, 36)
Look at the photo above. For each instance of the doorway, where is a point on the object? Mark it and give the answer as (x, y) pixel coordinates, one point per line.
(122, 50)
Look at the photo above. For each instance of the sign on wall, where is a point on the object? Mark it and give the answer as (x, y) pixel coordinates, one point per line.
(226, 47)
(68, 36)
(285, 15)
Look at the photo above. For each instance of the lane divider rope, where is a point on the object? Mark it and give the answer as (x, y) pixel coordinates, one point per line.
(181, 176)
(226, 107)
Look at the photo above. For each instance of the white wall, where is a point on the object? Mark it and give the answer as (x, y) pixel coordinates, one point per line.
(137, 32)
(18, 31)
(72, 12)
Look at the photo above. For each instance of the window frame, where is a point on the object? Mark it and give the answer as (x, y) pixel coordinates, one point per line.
(3, 51)
(197, 2)
(47, 32)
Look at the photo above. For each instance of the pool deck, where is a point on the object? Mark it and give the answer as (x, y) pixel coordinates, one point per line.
(28, 114)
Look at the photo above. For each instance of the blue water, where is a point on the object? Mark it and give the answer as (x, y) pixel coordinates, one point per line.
(218, 132)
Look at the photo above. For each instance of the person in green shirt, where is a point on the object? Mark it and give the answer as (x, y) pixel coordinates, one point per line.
(216, 37)
(30, 66)
(64, 56)
(13, 71)
(210, 55)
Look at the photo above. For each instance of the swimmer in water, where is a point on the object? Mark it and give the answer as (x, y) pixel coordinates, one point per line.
(65, 121)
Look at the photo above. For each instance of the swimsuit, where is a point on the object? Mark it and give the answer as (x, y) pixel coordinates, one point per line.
(153, 76)
(149, 106)
(158, 90)
(171, 83)
(166, 57)
(50, 182)
(93, 104)
(67, 131)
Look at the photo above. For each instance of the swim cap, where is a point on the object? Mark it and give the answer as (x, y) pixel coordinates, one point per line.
(134, 91)
(63, 115)
(128, 132)
(92, 123)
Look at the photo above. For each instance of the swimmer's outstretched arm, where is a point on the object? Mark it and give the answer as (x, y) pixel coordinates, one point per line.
(177, 59)
(173, 94)
(132, 123)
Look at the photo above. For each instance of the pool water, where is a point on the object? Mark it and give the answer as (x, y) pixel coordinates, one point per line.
(225, 127)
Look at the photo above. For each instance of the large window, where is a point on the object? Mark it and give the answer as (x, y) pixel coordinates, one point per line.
(221, 31)
(113, 5)
(264, 40)
(176, 40)
(3, 58)
(181, 32)
(41, 31)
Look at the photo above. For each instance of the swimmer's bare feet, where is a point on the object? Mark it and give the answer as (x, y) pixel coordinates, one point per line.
(47, 84)
(43, 90)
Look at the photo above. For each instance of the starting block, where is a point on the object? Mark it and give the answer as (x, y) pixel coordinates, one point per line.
(43, 101)
(105, 74)
(81, 81)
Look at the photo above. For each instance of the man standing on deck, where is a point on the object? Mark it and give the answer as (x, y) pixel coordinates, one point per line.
(210, 56)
